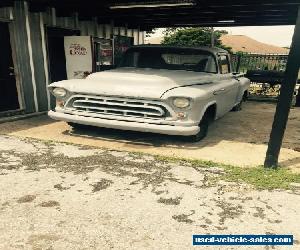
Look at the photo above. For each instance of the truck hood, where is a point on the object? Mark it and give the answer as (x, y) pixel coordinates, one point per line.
(138, 83)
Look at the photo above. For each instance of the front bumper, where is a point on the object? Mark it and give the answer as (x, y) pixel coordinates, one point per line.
(126, 125)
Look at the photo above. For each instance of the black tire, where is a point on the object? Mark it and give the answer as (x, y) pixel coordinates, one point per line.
(238, 107)
(76, 125)
(204, 124)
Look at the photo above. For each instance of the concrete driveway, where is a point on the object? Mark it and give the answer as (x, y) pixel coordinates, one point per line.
(60, 196)
(239, 138)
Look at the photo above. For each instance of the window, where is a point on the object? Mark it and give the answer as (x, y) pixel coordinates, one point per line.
(170, 59)
(224, 64)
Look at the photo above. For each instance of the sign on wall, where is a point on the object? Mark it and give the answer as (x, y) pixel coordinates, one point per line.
(79, 59)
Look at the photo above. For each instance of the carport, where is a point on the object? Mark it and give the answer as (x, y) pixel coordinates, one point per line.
(146, 15)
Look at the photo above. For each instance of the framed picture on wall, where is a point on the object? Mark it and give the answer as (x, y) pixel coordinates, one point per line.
(103, 54)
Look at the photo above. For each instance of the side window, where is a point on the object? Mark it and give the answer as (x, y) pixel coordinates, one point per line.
(224, 64)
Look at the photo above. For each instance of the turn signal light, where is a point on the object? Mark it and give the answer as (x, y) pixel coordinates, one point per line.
(181, 115)
(60, 103)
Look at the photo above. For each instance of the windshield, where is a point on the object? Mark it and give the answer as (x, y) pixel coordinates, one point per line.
(171, 59)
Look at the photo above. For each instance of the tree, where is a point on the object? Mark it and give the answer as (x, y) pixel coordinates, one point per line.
(193, 37)
(149, 33)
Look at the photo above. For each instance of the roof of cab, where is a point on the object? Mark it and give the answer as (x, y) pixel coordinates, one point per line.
(213, 50)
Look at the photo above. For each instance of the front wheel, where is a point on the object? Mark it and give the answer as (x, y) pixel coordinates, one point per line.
(76, 125)
(203, 130)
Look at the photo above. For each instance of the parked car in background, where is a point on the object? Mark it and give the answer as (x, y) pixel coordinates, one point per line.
(166, 90)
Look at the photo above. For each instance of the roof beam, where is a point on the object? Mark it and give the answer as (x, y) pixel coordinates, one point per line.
(204, 13)
(6, 3)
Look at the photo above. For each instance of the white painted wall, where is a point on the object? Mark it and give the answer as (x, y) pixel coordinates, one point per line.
(136, 36)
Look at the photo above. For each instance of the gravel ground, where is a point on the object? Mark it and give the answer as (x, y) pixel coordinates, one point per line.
(62, 196)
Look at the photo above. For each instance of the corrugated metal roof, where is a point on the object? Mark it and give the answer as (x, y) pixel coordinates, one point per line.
(215, 13)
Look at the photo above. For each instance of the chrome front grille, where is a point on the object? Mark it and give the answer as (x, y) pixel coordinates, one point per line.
(117, 106)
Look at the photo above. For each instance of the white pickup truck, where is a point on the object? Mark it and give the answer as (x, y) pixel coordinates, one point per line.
(158, 89)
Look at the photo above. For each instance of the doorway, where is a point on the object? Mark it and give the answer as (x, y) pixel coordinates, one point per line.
(9, 99)
(56, 54)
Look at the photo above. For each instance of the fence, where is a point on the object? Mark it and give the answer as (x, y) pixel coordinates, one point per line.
(242, 62)
(269, 63)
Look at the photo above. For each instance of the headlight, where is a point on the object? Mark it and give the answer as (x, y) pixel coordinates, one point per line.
(59, 92)
(181, 102)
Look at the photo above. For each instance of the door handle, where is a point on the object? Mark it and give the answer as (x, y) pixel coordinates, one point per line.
(219, 91)
(11, 74)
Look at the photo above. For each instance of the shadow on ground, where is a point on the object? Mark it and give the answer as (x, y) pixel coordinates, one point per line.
(239, 138)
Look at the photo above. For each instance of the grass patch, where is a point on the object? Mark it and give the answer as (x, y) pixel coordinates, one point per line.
(259, 177)
(262, 178)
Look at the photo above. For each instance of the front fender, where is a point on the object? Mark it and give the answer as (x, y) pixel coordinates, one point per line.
(201, 98)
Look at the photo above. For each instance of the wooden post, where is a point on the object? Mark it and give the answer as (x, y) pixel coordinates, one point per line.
(284, 100)
(238, 65)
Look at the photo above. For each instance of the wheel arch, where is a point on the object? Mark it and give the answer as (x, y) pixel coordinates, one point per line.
(211, 110)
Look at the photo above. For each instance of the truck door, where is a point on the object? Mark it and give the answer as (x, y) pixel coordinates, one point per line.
(228, 88)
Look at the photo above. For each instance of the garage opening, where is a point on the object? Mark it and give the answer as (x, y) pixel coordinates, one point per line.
(9, 100)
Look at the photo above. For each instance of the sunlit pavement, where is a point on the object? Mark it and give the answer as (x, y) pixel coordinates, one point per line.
(239, 138)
